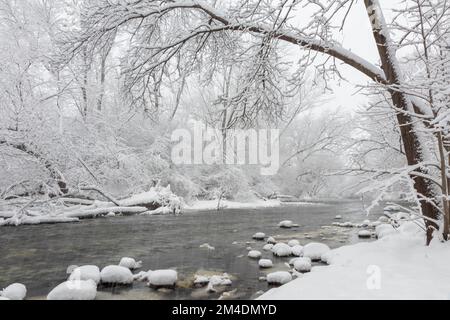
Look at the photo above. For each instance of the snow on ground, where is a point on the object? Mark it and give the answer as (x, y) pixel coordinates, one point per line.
(74, 290)
(397, 266)
(16, 291)
(206, 205)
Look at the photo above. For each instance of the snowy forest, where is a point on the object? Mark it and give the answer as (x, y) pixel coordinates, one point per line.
(91, 92)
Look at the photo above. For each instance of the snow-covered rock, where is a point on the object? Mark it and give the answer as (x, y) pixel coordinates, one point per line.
(116, 275)
(364, 234)
(254, 254)
(297, 251)
(279, 277)
(16, 291)
(366, 223)
(384, 230)
(162, 278)
(293, 243)
(74, 290)
(327, 257)
(259, 236)
(286, 224)
(201, 281)
(207, 247)
(265, 263)
(338, 217)
(282, 250)
(130, 263)
(302, 265)
(216, 281)
(70, 269)
(383, 219)
(268, 247)
(271, 240)
(86, 273)
(141, 276)
(314, 250)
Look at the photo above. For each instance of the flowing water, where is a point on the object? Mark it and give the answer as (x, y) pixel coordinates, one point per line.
(38, 256)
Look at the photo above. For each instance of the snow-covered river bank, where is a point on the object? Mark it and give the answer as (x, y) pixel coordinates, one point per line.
(38, 256)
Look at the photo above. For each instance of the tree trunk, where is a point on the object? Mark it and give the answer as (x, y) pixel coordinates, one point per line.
(409, 134)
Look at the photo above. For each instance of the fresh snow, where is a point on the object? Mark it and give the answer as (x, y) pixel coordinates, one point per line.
(162, 278)
(279, 277)
(86, 273)
(282, 250)
(265, 263)
(293, 243)
(302, 264)
(254, 254)
(116, 275)
(314, 251)
(130, 263)
(74, 290)
(259, 236)
(16, 291)
(297, 251)
(398, 266)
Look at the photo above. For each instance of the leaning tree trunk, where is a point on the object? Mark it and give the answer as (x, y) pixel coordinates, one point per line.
(405, 119)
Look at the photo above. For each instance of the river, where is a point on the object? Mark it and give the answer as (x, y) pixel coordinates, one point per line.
(38, 256)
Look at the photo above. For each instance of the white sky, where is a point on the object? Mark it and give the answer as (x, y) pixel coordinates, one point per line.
(357, 37)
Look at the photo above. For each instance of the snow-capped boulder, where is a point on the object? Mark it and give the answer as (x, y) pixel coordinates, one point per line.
(338, 217)
(366, 223)
(265, 263)
(259, 236)
(327, 257)
(314, 250)
(375, 224)
(282, 250)
(293, 243)
(141, 276)
(130, 263)
(383, 219)
(364, 234)
(70, 269)
(216, 281)
(279, 277)
(86, 273)
(16, 291)
(297, 251)
(384, 230)
(302, 265)
(271, 240)
(201, 281)
(254, 254)
(162, 278)
(268, 247)
(74, 290)
(286, 224)
(116, 275)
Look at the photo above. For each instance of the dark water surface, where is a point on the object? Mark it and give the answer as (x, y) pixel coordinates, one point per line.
(38, 256)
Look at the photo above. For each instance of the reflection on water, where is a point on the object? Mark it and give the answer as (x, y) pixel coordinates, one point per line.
(38, 256)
